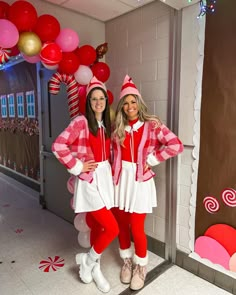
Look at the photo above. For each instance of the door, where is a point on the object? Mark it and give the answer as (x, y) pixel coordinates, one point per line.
(54, 117)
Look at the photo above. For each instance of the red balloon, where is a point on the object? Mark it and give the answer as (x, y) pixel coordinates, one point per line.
(110, 97)
(87, 54)
(51, 53)
(69, 63)
(101, 71)
(47, 27)
(23, 15)
(82, 104)
(4, 7)
(82, 90)
(14, 51)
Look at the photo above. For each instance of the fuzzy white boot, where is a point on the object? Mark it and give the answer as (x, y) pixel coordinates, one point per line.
(126, 270)
(139, 272)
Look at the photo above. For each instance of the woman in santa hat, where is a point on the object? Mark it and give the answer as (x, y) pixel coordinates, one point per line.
(140, 142)
(84, 149)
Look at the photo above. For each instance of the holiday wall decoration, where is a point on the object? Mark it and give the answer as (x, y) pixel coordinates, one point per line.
(212, 222)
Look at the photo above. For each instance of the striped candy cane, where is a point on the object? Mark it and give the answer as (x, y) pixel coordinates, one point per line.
(71, 88)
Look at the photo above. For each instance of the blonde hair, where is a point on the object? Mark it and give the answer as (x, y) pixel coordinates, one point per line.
(121, 119)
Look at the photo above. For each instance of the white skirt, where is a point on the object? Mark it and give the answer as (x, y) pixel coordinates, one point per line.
(133, 196)
(96, 195)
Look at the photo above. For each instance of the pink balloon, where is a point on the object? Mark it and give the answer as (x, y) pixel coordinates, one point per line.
(80, 222)
(9, 34)
(68, 40)
(31, 59)
(84, 239)
(71, 184)
(71, 203)
(83, 75)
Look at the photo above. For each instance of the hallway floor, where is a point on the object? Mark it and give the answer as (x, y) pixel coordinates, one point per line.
(37, 251)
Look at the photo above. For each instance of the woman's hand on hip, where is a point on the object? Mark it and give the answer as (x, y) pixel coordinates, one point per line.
(90, 165)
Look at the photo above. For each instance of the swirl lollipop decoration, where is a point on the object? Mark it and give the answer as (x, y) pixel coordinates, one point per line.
(228, 196)
(4, 55)
(211, 204)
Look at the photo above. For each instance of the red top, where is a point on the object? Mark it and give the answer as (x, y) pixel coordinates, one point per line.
(126, 149)
(100, 145)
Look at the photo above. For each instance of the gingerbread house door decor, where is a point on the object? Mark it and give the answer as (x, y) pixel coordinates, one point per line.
(213, 232)
(19, 132)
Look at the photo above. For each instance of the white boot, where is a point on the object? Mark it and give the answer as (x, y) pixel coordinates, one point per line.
(99, 279)
(87, 261)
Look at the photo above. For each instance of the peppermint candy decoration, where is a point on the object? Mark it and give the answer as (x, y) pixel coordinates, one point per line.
(71, 88)
(4, 55)
(51, 263)
(228, 196)
(211, 204)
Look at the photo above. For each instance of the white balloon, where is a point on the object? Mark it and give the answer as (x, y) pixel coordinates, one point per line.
(80, 222)
(83, 75)
(50, 67)
(84, 239)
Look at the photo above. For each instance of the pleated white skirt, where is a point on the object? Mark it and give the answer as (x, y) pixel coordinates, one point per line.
(133, 196)
(96, 195)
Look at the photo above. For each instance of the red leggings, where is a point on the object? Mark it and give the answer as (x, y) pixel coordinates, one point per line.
(131, 223)
(104, 228)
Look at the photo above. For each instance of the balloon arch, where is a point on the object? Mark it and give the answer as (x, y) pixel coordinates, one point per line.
(41, 39)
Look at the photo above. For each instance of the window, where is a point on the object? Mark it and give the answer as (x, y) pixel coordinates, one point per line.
(3, 106)
(20, 105)
(11, 105)
(30, 102)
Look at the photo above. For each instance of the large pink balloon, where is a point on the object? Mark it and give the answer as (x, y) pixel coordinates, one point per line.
(83, 75)
(9, 34)
(68, 40)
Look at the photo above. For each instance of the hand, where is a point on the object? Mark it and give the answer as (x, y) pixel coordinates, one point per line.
(90, 165)
(146, 167)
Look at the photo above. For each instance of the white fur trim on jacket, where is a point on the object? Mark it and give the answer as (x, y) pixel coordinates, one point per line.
(77, 169)
(152, 160)
(139, 260)
(126, 253)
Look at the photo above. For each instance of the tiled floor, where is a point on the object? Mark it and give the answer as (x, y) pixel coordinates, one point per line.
(29, 235)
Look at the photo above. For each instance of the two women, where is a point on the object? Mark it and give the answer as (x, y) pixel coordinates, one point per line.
(139, 142)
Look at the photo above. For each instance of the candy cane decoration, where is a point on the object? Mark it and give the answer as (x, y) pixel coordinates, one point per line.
(211, 204)
(71, 88)
(228, 196)
(4, 55)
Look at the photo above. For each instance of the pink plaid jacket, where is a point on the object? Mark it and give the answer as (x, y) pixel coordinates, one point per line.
(160, 142)
(73, 143)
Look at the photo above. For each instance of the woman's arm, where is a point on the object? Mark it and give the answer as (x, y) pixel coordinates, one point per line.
(167, 145)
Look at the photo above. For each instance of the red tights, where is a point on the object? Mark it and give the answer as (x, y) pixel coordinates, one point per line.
(104, 228)
(131, 223)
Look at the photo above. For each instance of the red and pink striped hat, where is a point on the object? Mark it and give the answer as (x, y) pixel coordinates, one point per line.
(94, 82)
(128, 87)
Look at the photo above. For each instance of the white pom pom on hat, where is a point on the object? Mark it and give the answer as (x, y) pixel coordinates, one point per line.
(128, 87)
(94, 83)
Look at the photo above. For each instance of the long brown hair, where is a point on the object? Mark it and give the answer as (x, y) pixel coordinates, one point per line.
(90, 115)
